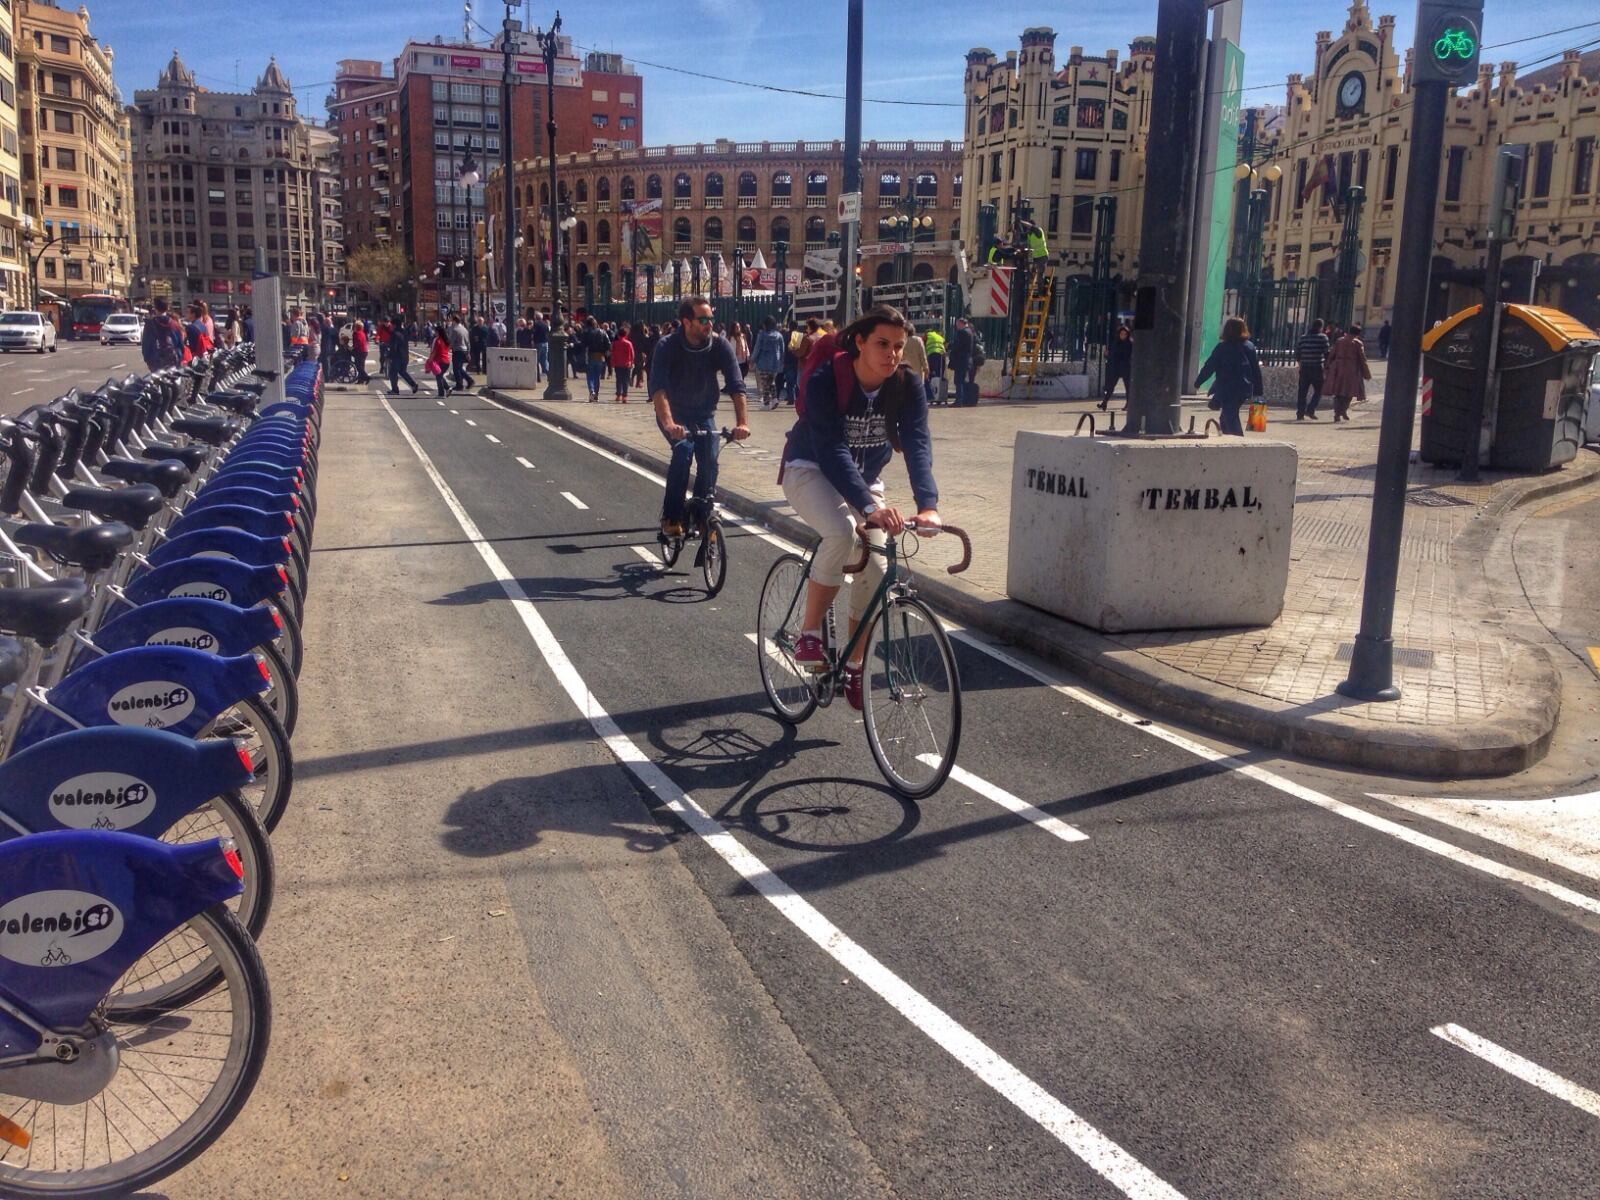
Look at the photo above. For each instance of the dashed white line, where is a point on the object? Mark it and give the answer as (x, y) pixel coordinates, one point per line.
(525, 462)
(1010, 803)
(23, 391)
(1524, 1069)
(1099, 1152)
(492, 438)
(649, 555)
(576, 503)
(440, 403)
(454, 413)
(471, 422)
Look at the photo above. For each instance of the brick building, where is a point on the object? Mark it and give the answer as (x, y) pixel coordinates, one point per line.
(330, 211)
(218, 175)
(724, 196)
(361, 110)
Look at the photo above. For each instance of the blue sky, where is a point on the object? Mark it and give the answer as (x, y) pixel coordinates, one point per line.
(914, 51)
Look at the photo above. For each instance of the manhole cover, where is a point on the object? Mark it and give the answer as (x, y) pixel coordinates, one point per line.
(1406, 656)
(1428, 498)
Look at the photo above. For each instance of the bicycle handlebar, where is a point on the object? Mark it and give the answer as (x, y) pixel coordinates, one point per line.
(911, 527)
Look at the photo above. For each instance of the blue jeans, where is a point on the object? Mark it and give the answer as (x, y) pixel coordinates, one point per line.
(543, 350)
(1228, 417)
(700, 447)
(593, 369)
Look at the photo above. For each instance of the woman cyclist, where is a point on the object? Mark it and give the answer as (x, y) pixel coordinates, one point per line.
(833, 462)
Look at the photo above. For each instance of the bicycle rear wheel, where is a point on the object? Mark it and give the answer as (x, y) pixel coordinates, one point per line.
(911, 695)
(253, 723)
(182, 1077)
(778, 618)
(714, 558)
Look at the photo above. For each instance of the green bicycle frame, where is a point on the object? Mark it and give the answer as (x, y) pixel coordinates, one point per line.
(891, 576)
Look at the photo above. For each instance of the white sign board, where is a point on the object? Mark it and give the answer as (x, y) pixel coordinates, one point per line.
(849, 207)
(824, 262)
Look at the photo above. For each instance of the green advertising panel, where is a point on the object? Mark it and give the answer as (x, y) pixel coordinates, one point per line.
(1219, 235)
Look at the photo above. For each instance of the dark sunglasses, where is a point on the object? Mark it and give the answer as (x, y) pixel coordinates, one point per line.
(702, 320)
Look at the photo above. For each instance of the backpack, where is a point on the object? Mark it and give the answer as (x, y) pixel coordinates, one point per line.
(166, 354)
(826, 349)
(599, 344)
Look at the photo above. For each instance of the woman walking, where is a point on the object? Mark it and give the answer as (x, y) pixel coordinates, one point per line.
(1347, 372)
(1119, 365)
(623, 355)
(438, 364)
(1237, 369)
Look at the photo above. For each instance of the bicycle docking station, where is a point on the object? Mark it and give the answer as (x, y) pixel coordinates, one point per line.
(1179, 532)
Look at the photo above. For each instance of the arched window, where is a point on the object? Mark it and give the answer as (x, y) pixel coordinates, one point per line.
(955, 186)
(816, 233)
(544, 193)
(681, 234)
(604, 273)
(747, 232)
(583, 191)
(747, 185)
(714, 186)
(923, 270)
(889, 185)
(955, 231)
(682, 189)
(885, 274)
(602, 189)
(713, 231)
(602, 233)
(583, 272)
(625, 188)
(927, 186)
(780, 230)
(782, 185)
(530, 238)
(581, 233)
(652, 188)
(817, 183)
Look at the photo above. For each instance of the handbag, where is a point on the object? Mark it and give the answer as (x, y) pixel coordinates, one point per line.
(1258, 417)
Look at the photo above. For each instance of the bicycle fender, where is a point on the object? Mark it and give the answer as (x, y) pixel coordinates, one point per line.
(236, 544)
(210, 579)
(151, 687)
(279, 483)
(235, 516)
(190, 621)
(139, 781)
(78, 908)
(248, 496)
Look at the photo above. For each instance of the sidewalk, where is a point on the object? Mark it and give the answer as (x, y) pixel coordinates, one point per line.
(1475, 700)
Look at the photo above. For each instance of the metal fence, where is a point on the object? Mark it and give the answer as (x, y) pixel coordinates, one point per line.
(751, 310)
(1277, 311)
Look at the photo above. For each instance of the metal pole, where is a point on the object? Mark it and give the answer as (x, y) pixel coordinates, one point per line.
(509, 232)
(1372, 665)
(852, 157)
(1503, 197)
(472, 257)
(1162, 300)
(557, 388)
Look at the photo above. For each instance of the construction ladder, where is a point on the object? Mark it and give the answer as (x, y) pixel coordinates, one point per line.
(1030, 342)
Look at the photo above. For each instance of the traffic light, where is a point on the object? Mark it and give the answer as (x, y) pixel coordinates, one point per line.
(1448, 41)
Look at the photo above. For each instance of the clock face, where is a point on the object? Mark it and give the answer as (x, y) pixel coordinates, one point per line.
(1352, 90)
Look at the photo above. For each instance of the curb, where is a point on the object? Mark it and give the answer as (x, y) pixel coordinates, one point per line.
(1499, 745)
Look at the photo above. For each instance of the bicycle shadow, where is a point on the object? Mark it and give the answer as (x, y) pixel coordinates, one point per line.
(630, 580)
(510, 815)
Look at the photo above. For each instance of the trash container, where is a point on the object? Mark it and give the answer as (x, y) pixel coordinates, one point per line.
(1538, 396)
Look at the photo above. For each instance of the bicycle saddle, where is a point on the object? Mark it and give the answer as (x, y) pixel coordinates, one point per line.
(192, 456)
(13, 658)
(211, 430)
(93, 549)
(167, 476)
(43, 614)
(133, 505)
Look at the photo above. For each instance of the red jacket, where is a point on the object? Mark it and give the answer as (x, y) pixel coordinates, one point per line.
(621, 352)
(358, 338)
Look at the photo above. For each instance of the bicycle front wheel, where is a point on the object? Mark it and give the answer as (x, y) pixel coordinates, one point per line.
(182, 1077)
(778, 617)
(911, 694)
(252, 722)
(714, 558)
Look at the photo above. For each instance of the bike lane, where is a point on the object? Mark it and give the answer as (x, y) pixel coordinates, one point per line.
(1236, 987)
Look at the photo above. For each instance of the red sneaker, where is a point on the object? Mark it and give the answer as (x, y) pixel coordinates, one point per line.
(809, 653)
(852, 686)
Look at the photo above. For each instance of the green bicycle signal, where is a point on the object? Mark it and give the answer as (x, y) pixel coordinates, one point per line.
(1455, 43)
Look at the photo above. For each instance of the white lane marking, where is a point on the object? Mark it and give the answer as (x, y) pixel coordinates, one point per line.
(1099, 1152)
(525, 462)
(1524, 1069)
(454, 413)
(23, 391)
(644, 552)
(1564, 830)
(1010, 803)
(492, 438)
(576, 503)
(471, 422)
(1219, 759)
(440, 403)
(771, 652)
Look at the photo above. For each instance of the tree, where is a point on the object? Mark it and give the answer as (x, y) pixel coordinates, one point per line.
(382, 270)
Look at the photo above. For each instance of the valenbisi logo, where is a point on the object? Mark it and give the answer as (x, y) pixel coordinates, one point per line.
(183, 635)
(204, 591)
(102, 800)
(58, 928)
(155, 704)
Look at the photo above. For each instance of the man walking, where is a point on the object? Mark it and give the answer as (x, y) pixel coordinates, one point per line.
(399, 358)
(963, 350)
(460, 353)
(1312, 353)
(161, 343)
(541, 344)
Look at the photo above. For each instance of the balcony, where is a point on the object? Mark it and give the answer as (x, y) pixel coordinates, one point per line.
(713, 202)
(888, 201)
(823, 245)
(682, 202)
(602, 206)
(750, 202)
(748, 249)
(781, 201)
(816, 202)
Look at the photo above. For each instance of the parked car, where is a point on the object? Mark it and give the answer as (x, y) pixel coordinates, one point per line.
(120, 327)
(26, 330)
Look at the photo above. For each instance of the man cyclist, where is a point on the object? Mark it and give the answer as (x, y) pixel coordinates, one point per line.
(684, 389)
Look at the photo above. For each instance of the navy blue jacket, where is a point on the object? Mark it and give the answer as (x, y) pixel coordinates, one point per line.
(689, 376)
(819, 436)
(1237, 369)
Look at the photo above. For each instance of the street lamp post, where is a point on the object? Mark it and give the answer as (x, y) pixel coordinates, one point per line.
(904, 223)
(557, 388)
(507, 81)
(469, 179)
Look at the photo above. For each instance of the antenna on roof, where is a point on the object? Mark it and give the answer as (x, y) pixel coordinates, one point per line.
(466, 21)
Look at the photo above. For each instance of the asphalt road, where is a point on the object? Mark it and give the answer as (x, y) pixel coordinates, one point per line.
(1223, 989)
(38, 378)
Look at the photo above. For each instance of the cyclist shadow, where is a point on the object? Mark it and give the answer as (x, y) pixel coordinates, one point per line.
(739, 754)
(513, 814)
(630, 580)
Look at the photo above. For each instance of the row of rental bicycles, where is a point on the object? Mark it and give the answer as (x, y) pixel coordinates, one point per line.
(154, 550)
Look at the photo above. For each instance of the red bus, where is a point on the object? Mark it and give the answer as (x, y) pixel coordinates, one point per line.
(84, 314)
